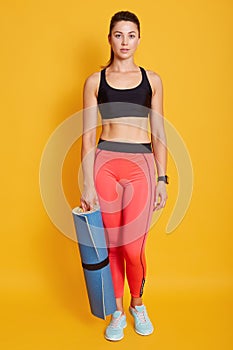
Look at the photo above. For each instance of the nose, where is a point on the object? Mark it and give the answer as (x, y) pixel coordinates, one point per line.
(124, 40)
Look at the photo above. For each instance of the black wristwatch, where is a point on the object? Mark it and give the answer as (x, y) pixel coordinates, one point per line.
(163, 178)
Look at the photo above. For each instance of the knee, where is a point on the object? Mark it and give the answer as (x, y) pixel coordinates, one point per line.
(133, 258)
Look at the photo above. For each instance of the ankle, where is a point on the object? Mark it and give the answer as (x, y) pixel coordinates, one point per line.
(136, 301)
(133, 304)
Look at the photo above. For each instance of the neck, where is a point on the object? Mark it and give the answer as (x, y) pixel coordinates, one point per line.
(123, 65)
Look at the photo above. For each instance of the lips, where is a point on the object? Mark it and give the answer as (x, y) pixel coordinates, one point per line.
(124, 50)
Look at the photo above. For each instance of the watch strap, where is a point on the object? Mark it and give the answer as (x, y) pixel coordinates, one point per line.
(163, 178)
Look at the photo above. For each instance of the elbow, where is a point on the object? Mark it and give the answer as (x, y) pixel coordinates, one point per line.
(88, 141)
(159, 136)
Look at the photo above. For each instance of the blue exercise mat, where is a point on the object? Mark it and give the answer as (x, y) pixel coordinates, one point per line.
(94, 256)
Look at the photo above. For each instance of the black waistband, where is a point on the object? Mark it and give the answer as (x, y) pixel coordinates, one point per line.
(127, 147)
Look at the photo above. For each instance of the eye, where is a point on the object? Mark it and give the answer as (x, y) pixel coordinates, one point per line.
(117, 36)
(132, 36)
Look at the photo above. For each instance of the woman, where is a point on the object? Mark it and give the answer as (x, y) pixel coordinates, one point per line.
(119, 174)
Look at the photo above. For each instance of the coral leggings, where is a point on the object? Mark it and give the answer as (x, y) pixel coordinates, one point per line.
(124, 176)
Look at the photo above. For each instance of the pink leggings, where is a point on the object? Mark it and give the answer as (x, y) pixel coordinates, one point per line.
(125, 183)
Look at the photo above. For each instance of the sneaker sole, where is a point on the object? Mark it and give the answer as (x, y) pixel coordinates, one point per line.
(110, 339)
(143, 333)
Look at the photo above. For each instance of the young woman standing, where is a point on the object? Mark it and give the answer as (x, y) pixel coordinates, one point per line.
(119, 174)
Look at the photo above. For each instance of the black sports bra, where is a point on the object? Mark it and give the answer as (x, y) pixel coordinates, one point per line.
(132, 102)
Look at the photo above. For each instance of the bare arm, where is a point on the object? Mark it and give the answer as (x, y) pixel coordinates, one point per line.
(158, 138)
(90, 113)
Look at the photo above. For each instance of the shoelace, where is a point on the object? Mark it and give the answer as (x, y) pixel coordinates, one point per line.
(141, 315)
(115, 322)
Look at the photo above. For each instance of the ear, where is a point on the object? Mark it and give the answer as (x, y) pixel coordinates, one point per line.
(139, 39)
(109, 39)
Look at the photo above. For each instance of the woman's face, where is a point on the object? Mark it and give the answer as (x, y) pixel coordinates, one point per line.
(124, 39)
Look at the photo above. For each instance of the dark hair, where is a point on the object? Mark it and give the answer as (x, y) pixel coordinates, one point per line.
(117, 17)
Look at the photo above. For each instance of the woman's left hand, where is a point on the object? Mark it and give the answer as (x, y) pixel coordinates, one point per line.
(160, 193)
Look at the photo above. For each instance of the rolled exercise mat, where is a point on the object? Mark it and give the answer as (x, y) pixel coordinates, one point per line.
(94, 256)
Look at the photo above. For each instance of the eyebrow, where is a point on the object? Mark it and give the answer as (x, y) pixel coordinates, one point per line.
(118, 31)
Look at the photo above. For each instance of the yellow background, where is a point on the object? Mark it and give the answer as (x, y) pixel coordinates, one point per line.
(48, 48)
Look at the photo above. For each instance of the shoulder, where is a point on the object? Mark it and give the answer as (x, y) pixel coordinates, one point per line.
(92, 82)
(155, 80)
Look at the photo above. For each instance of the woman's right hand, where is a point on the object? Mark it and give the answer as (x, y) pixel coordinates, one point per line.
(89, 199)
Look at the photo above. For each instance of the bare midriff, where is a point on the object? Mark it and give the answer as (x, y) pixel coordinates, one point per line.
(125, 129)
